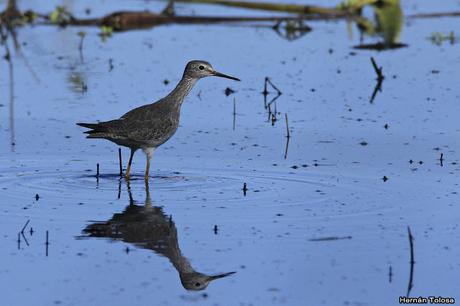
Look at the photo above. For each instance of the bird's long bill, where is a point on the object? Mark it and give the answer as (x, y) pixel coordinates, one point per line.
(213, 277)
(225, 76)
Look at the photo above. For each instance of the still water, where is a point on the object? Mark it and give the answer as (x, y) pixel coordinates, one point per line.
(323, 221)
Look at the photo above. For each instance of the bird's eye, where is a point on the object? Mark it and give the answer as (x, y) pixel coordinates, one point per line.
(198, 284)
(201, 67)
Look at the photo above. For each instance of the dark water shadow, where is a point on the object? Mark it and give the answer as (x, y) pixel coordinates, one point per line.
(148, 227)
(380, 46)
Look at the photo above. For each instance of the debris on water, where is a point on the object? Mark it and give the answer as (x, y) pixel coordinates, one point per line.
(273, 119)
(110, 64)
(380, 78)
(288, 133)
(332, 238)
(228, 91)
(25, 226)
(120, 163)
(47, 243)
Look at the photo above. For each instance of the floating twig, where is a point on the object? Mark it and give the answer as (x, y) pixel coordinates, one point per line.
(120, 162)
(245, 189)
(228, 91)
(286, 147)
(273, 85)
(441, 159)
(25, 239)
(97, 171)
(333, 238)
(377, 88)
(288, 134)
(234, 113)
(380, 78)
(24, 227)
(119, 189)
(390, 274)
(378, 70)
(265, 92)
(47, 243)
(412, 261)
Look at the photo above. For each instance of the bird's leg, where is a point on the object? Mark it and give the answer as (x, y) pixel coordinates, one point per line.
(129, 164)
(147, 169)
(149, 153)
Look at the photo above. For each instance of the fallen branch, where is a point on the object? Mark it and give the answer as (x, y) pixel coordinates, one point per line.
(276, 7)
(434, 15)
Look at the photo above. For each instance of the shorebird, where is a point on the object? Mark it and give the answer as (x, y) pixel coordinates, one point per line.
(148, 227)
(149, 126)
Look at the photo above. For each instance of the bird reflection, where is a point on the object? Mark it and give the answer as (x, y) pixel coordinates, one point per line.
(148, 227)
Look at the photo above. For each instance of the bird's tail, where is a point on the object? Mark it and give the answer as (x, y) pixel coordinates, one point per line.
(92, 126)
(97, 130)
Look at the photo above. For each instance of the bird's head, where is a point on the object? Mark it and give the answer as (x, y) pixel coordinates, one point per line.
(201, 69)
(198, 281)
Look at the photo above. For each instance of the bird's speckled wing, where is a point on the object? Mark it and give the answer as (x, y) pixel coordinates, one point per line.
(149, 125)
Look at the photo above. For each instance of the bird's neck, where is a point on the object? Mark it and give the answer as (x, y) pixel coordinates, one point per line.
(182, 89)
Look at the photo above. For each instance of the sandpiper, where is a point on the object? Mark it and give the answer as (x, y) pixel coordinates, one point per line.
(149, 126)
